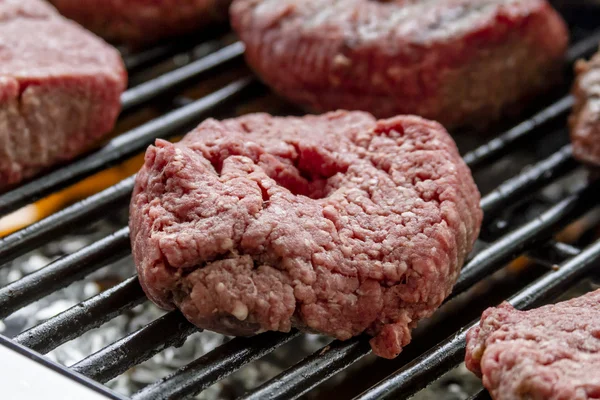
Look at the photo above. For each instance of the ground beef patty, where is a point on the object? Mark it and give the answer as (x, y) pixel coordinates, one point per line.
(138, 22)
(585, 119)
(60, 89)
(338, 224)
(552, 352)
(459, 62)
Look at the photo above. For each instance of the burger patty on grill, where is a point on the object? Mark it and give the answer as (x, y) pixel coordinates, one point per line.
(459, 62)
(338, 224)
(585, 119)
(138, 22)
(552, 352)
(60, 89)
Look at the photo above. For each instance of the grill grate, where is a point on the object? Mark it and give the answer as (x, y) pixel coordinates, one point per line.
(533, 235)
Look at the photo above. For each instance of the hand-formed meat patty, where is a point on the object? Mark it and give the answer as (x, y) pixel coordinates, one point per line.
(550, 353)
(338, 224)
(459, 62)
(60, 89)
(138, 22)
(585, 119)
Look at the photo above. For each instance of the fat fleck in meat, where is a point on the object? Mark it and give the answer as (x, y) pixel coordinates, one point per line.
(338, 224)
(139, 22)
(550, 353)
(585, 119)
(60, 89)
(459, 62)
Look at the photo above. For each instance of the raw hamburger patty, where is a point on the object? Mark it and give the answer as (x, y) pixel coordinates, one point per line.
(139, 22)
(459, 62)
(338, 224)
(550, 353)
(585, 119)
(59, 89)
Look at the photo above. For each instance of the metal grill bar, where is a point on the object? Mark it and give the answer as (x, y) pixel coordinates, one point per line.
(214, 366)
(63, 271)
(431, 365)
(566, 250)
(583, 48)
(500, 145)
(152, 56)
(150, 90)
(119, 148)
(83, 317)
(553, 253)
(534, 232)
(528, 182)
(169, 330)
(61, 222)
(313, 370)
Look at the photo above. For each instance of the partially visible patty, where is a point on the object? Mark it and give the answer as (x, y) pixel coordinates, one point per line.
(459, 62)
(139, 22)
(338, 224)
(60, 89)
(585, 119)
(549, 353)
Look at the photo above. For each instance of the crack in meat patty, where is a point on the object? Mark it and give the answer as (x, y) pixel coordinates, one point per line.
(338, 224)
(459, 62)
(585, 119)
(549, 353)
(60, 89)
(139, 22)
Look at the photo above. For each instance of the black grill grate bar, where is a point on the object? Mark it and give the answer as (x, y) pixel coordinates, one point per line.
(154, 88)
(61, 222)
(528, 182)
(120, 148)
(314, 370)
(215, 365)
(536, 231)
(553, 253)
(63, 271)
(500, 145)
(157, 54)
(449, 353)
(169, 330)
(83, 317)
(566, 250)
(480, 395)
(584, 48)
